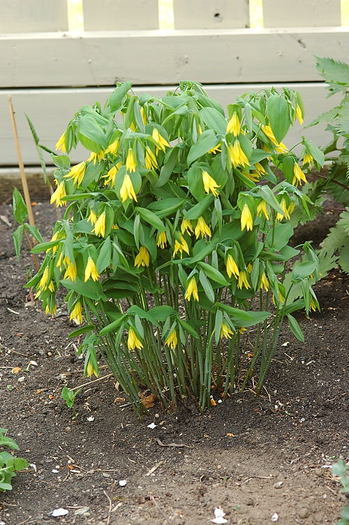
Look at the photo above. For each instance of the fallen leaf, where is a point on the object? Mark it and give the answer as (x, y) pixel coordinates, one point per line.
(213, 402)
(119, 400)
(51, 396)
(148, 401)
(39, 391)
(16, 370)
(230, 435)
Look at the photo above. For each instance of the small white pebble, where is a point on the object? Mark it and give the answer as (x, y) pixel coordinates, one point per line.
(21, 379)
(122, 482)
(57, 513)
(90, 418)
(152, 426)
(275, 517)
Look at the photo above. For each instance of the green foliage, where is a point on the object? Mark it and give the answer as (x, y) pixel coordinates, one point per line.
(341, 470)
(174, 246)
(9, 464)
(69, 395)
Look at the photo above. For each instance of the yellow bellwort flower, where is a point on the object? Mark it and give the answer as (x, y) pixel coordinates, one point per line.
(308, 159)
(55, 237)
(237, 155)
(58, 195)
(60, 144)
(71, 270)
(111, 175)
(150, 159)
(226, 332)
(246, 218)
(285, 214)
(181, 246)
(113, 147)
(234, 125)
(202, 228)
(231, 266)
(76, 313)
(44, 279)
(143, 115)
(96, 157)
(215, 149)
(131, 164)
(92, 218)
(77, 173)
(161, 240)
(171, 340)
(133, 341)
(298, 175)
(243, 281)
(127, 190)
(299, 114)
(90, 370)
(210, 185)
(259, 168)
(192, 290)
(264, 284)
(159, 140)
(262, 209)
(99, 228)
(51, 286)
(187, 226)
(51, 309)
(280, 146)
(142, 258)
(91, 270)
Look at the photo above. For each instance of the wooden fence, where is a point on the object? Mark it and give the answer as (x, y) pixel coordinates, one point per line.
(52, 68)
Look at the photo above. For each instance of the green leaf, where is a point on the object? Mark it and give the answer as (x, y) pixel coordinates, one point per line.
(187, 326)
(214, 120)
(82, 330)
(6, 441)
(206, 141)
(112, 327)
(218, 325)
(167, 168)
(334, 72)
(34, 232)
(20, 464)
(205, 283)
(69, 396)
(161, 313)
(244, 318)
(104, 256)
(277, 111)
(116, 99)
(295, 328)
(302, 270)
(151, 218)
(20, 211)
(90, 134)
(315, 152)
(5, 486)
(17, 237)
(214, 274)
(90, 289)
(196, 211)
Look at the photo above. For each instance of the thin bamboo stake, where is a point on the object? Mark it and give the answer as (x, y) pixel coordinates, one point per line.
(24, 181)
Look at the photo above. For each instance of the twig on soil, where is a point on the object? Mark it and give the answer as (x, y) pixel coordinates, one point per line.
(258, 477)
(12, 311)
(179, 445)
(154, 468)
(90, 382)
(110, 506)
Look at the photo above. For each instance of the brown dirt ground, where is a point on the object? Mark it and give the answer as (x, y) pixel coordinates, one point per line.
(252, 456)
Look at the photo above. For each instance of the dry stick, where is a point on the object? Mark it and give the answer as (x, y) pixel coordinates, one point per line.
(24, 181)
(90, 382)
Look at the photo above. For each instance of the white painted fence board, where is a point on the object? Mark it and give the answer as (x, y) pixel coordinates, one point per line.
(51, 109)
(301, 13)
(155, 57)
(209, 14)
(113, 15)
(23, 16)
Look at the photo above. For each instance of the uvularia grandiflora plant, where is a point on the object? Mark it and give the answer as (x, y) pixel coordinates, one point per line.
(174, 245)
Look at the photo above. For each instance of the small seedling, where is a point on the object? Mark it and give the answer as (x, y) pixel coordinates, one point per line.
(9, 464)
(341, 470)
(69, 396)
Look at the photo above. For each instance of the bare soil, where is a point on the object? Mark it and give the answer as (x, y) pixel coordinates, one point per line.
(255, 457)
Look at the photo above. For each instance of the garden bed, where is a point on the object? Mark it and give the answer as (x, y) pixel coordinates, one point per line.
(256, 457)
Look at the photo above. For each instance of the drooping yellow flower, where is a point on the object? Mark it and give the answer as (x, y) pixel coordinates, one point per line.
(262, 209)
(143, 115)
(159, 140)
(246, 218)
(96, 157)
(133, 341)
(181, 246)
(187, 226)
(299, 114)
(202, 228)
(226, 332)
(308, 159)
(51, 286)
(215, 149)
(55, 237)
(91, 270)
(99, 228)
(161, 240)
(264, 284)
(291, 208)
(92, 218)
(171, 340)
(133, 126)
(298, 175)
(77, 173)
(60, 144)
(243, 281)
(231, 266)
(71, 270)
(210, 185)
(234, 125)
(51, 309)
(127, 190)
(111, 175)
(131, 164)
(192, 290)
(58, 195)
(90, 370)
(253, 176)
(237, 155)
(259, 168)
(113, 147)
(150, 159)
(280, 146)
(76, 313)
(60, 261)
(142, 258)
(285, 214)
(44, 279)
